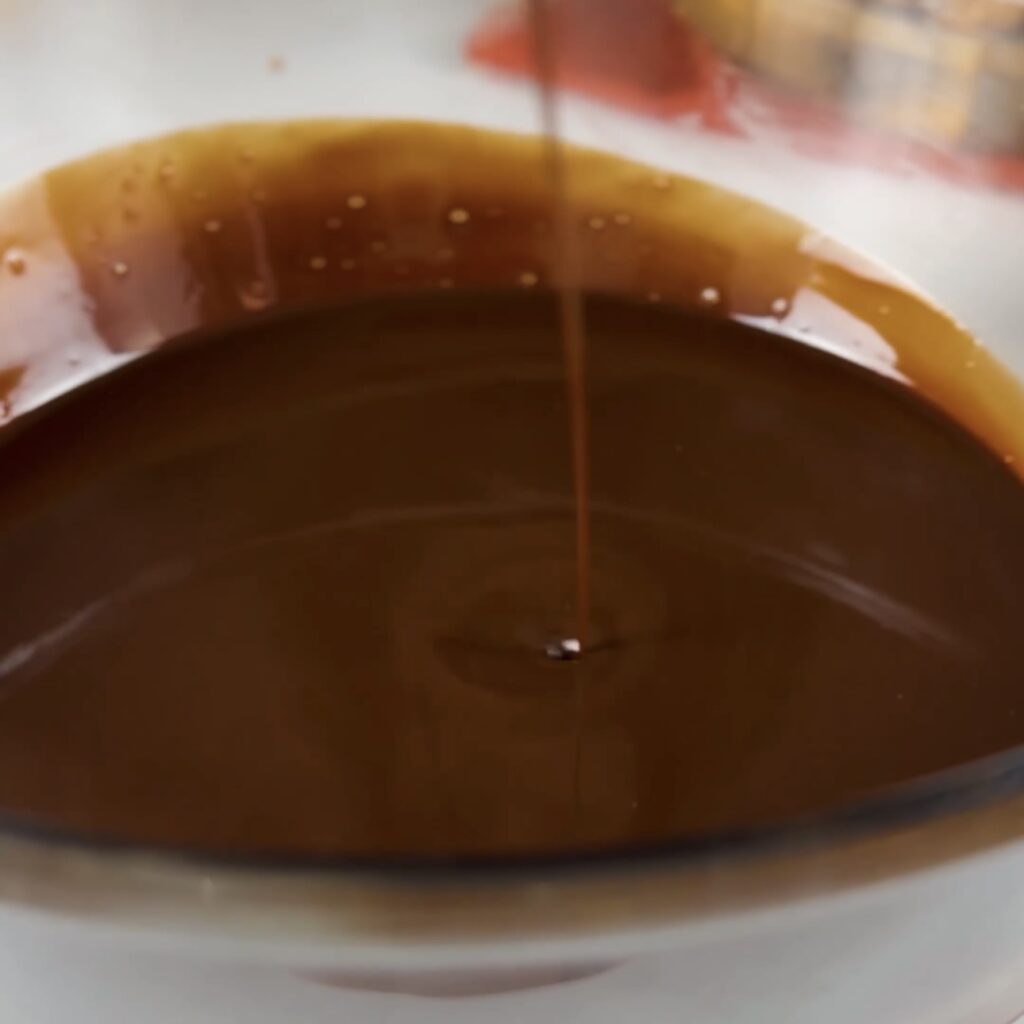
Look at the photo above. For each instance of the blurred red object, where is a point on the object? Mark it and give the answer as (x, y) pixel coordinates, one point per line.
(642, 56)
(638, 55)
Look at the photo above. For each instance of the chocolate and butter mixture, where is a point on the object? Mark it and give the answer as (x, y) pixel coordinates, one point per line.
(285, 568)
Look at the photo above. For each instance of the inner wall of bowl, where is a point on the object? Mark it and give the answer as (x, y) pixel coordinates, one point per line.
(154, 239)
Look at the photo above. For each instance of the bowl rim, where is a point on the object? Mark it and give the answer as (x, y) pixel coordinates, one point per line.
(360, 909)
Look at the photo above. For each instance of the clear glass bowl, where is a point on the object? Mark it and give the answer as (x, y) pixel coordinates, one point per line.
(894, 133)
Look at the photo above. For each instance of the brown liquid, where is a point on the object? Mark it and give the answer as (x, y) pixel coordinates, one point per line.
(570, 308)
(285, 583)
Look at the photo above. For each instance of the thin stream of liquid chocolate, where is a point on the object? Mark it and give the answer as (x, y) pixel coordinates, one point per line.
(570, 302)
(572, 329)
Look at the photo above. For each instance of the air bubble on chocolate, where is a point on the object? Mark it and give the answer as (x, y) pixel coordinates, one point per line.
(255, 294)
(596, 223)
(119, 268)
(212, 227)
(317, 262)
(710, 296)
(458, 215)
(356, 202)
(528, 278)
(15, 262)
